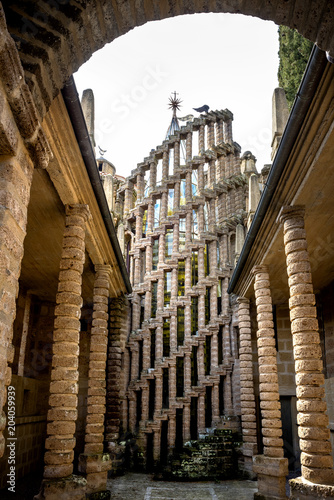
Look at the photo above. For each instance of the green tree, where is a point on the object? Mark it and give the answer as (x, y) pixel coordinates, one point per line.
(294, 51)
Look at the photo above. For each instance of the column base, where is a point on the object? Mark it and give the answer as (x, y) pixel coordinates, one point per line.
(95, 469)
(67, 488)
(271, 477)
(300, 490)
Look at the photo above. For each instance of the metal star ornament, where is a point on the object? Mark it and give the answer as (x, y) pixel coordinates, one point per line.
(174, 102)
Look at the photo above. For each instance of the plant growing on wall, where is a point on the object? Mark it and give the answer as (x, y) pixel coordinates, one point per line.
(294, 51)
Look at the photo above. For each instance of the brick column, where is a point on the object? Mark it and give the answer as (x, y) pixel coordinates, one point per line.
(176, 239)
(200, 177)
(201, 413)
(150, 217)
(176, 155)
(172, 380)
(189, 146)
(128, 198)
(93, 463)
(158, 395)
(176, 205)
(63, 398)
(118, 318)
(163, 206)
(165, 162)
(186, 422)
(214, 351)
(271, 467)
(188, 187)
(162, 248)
(171, 432)
(210, 135)
(228, 406)
(314, 438)
(187, 275)
(144, 403)
(140, 186)
(153, 175)
(139, 224)
(215, 405)
(148, 258)
(187, 373)
(247, 399)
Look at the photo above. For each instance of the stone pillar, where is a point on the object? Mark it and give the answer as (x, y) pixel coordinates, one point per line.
(200, 177)
(176, 239)
(139, 224)
(215, 405)
(93, 463)
(165, 162)
(118, 327)
(156, 444)
(128, 197)
(163, 206)
(176, 205)
(187, 276)
(210, 134)
(173, 333)
(188, 187)
(158, 395)
(172, 380)
(144, 404)
(176, 155)
(140, 186)
(63, 398)
(153, 175)
(214, 351)
(159, 343)
(200, 361)
(132, 412)
(270, 467)
(314, 440)
(201, 413)
(186, 422)
(150, 217)
(247, 399)
(189, 146)
(187, 373)
(149, 258)
(171, 432)
(228, 405)
(137, 266)
(162, 248)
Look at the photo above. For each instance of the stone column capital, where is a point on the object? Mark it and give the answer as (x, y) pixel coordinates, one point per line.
(243, 300)
(103, 268)
(78, 209)
(259, 270)
(291, 212)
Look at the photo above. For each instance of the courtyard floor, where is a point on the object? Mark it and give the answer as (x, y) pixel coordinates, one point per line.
(135, 486)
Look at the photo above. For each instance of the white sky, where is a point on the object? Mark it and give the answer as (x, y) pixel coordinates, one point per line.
(223, 60)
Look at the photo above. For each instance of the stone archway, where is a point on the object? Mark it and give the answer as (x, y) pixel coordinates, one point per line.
(55, 37)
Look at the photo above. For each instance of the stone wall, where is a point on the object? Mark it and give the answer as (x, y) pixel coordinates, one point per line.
(30, 429)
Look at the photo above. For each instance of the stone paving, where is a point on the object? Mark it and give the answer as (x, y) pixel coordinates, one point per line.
(135, 486)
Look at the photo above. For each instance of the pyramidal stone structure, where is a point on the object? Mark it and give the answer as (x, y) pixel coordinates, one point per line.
(184, 210)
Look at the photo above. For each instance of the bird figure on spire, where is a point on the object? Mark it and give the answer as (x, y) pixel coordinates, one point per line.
(203, 109)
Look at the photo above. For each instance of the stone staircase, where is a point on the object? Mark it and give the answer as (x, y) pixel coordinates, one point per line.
(214, 456)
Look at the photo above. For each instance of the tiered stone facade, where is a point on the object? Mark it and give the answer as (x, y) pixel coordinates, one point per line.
(185, 230)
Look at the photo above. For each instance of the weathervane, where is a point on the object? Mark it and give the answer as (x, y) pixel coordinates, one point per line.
(174, 102)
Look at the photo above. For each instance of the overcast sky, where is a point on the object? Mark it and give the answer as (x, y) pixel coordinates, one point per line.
(222, 60)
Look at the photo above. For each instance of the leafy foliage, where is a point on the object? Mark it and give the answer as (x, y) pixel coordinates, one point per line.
(294, 51)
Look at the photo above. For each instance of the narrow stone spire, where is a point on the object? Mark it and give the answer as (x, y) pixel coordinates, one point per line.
(88, 108)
